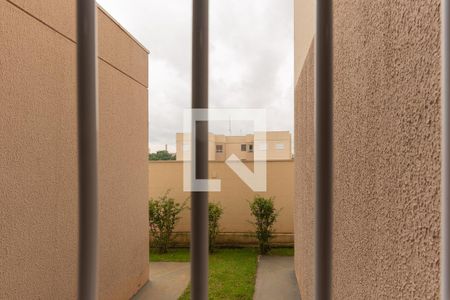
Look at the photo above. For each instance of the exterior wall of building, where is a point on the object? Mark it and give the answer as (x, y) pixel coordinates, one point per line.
(277, 146)
(304, 26)
(183, 147)
(304, 178)
(232, 145)
(38, 154)
(235, 228)
(386, 153)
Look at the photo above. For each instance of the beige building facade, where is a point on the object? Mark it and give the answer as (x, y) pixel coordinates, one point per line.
(274, 145)
(38, 154)
(386, 220)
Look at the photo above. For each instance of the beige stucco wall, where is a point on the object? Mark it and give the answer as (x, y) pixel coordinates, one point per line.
(38, 154)
(386, 153)
(304, 28)
(165, 175)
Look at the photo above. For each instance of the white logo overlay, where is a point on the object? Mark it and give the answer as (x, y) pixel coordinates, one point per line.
(256, 180)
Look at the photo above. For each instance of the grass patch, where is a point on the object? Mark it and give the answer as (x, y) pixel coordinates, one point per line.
(173, 254)
(232, 271)
(231, 274)
(282, 251)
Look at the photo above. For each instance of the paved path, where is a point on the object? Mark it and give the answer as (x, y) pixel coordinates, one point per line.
(275, 279)
(168, 280)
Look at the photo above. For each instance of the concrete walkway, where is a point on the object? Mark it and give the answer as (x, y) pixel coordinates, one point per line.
(168, 280)
(275, 279)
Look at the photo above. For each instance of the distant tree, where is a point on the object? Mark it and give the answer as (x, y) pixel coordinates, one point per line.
(162, 155)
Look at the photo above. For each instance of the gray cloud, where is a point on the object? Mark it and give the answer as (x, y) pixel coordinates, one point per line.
(251, 59)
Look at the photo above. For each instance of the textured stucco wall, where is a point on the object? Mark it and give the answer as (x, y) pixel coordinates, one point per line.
(304, 174)
(38, 154)
(386, 152)
(165, 175)
(304, 24)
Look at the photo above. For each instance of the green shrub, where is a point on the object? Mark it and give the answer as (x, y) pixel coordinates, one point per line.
(215, 211)
(265, 214)
(163, 214)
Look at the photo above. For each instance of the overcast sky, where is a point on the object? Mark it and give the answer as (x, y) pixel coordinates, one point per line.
(251, 60)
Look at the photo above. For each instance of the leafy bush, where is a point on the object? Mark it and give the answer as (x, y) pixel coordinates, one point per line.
(163, 215)
(215, 211)
(265, 214)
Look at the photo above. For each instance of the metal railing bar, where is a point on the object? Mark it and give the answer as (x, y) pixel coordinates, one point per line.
(324, 148)
(87, 148)
(199, 200)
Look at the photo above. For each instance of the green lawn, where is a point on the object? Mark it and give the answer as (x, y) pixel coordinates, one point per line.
(282, 252)
(232, 271)
(175, 254)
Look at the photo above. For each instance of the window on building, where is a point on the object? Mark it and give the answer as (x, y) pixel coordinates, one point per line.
(243, 147)
(250, 147)
(219, 148)
(279, 146)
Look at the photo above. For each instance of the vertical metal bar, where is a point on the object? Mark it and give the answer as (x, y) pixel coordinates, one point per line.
(199, 200)
(324, 148)
(87, 148)
(445, 152)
